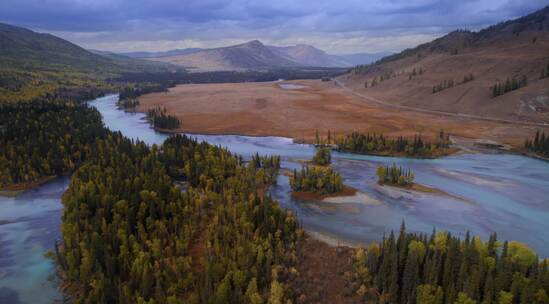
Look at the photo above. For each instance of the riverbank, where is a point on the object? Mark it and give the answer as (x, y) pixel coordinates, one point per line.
(16, 189)
(311, 196)
(439, 154)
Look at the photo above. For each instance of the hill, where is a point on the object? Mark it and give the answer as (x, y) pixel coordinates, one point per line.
(34, 64)
(307, 55)
(246, 56)
(301, 54)
(252, 55)
(457, 72)
(161, 54)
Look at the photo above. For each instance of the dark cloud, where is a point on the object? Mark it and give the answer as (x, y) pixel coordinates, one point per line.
(100, 23)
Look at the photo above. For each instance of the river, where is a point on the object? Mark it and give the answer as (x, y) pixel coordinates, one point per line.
(503, 193)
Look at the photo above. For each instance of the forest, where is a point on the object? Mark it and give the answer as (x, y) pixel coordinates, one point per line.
(131, 236)
(160, 119)
(539, 144)
(45, 138)
(318, 180)
(441, 268)
(394, 175)
(380, 145)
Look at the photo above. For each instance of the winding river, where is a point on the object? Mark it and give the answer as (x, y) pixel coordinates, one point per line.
(503, 193)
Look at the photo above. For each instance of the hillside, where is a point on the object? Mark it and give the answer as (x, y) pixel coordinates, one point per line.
(437, 75)
(34, 64)
(161, 54)
(252, 55)
(307, 55)
(246, 56)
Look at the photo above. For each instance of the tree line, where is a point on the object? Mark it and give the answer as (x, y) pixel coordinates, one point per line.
(394, 175)
(160, 118)
(539, 144)
(441, 268)
(378, 144)
(509, 85)
(450, 83)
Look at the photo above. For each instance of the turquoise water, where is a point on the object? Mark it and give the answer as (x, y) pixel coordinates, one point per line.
(508, 194)
(29, 227)
(503, 193)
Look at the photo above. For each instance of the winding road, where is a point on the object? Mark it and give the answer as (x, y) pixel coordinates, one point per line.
(435, 112)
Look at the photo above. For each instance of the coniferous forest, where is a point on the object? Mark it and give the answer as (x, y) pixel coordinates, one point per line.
(131, 236)
(381, 145)
(394, 175)
(441, 268)
(45, 138)
(318, 180)
(160, 118)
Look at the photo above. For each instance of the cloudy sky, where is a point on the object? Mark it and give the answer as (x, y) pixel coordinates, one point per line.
(337, 26)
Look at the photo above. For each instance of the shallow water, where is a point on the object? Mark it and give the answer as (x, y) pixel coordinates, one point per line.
(503, 193)
(291, 86)
(30, 226)
(508, 194)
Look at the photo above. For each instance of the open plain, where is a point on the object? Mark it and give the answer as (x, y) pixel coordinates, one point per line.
(264, 109)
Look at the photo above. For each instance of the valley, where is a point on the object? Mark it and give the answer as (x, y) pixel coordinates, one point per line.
(266, 109)
(173, 157)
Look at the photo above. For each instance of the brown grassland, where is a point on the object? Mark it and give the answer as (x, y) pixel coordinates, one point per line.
(261, 109)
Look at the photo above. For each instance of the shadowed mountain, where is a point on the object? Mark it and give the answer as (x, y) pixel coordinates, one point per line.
(501, 71)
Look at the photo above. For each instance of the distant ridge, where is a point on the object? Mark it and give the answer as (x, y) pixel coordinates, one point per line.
(161, 54)
(256, 55)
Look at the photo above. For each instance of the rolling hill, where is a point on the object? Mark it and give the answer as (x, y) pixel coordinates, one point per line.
(307, 55)
(252, 55)
(246, 56)
(175, 52)
(34, 64)
(457, 72)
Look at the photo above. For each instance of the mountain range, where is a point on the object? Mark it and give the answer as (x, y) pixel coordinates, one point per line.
(256, 55)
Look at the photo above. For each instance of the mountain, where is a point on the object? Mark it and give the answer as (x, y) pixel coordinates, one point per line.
(34, 64)
(249, 56)
(246, 56)
(307, 55)
(161, 54)
(437, 75)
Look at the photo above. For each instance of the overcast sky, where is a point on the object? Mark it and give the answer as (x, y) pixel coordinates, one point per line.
(337, 26)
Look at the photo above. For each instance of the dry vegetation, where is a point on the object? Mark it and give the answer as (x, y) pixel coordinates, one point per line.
(265, 109)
